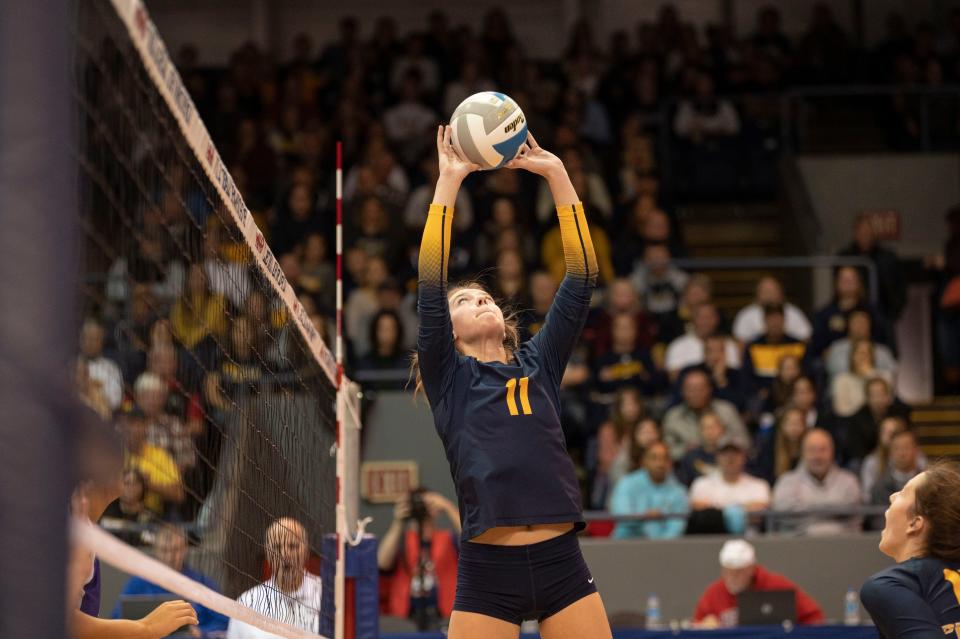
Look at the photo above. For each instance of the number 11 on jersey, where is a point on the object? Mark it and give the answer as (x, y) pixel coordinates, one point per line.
(524, 396)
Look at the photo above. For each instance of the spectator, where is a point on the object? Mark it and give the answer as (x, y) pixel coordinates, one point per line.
(101, 370)
(848, 389)
(704, 117)
(728, 485)
(602, 480)
(626, 363)
(510, 280)
(727, 382)
(228, 278)
(542, 291)
(817, 482)
(551, 253)
(386, 338)
(420, 198)
(90, 392)
(761, 357)
(237, 376)
(739, 572)
(362, 304)
(170, 548)
(779, 447)
(696, 292)
(687, 350)
(892, 287)
(182, 402)
(469, 82)
(375, 232)
(906, 462)
(127, 516)
(803, 395)
(621, 297)
(830, 322)
(156, 465)
(131, 334)
(291, 595)
(317, 277)
(391, 296)
(296, 218)
(789, 371)
(654, 492)
(702, 459)
(408, 121)
(164, 430)
(824, 49)
(769, 40)
(199, 316)
(748, 324)
(418, 558)
(858, 433)
(636, 431)
(660, 284)
(948, 321)
(859, 330)
(681, 424)
(875, 463)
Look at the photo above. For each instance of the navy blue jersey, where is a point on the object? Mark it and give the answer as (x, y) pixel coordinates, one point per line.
(916, 599)
(500, 423)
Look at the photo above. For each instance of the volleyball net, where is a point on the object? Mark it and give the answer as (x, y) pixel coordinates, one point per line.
(209, 364)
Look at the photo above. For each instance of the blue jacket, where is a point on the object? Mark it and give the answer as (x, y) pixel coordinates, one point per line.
(210, 621)
(636, 494)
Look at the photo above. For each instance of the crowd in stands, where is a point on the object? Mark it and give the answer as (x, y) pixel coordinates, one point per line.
(670, 407)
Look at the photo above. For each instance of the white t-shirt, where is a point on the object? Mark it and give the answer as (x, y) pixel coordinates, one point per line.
(712, 488)
(748, 325)
(687, 350)
(300, 609)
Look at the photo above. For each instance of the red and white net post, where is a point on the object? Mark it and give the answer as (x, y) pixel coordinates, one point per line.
(342, 526)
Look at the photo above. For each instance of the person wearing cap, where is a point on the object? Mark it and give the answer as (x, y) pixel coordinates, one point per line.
(728, 485)
(740, 572)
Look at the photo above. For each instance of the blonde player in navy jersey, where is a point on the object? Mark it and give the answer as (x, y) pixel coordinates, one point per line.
(496, 406)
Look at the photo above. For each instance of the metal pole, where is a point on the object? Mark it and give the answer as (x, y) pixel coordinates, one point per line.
(38, 285)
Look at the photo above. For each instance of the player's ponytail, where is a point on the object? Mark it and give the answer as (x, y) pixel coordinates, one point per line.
(511, 338)
(938, 502)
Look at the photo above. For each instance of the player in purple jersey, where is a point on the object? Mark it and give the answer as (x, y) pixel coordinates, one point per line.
(919, 597)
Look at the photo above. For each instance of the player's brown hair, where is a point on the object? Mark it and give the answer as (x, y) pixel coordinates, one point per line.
(511, 339)
(938, 502)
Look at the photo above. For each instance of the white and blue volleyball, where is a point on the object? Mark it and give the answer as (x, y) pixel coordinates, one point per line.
(488, 129)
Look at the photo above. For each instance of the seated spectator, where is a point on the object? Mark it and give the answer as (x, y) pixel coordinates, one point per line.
(728, 484)
(830, 322)
(704, 117)
(296, 218)
(542, 291)
(727, 382)
(761, 357)
(681, 424)
(127, 516)
(779, 447)
(362, 305)
(748, 324)
(857, 434)
(469, 81)
(89, 391)
(502, 218)
(131, 334)
(237, 376)
(875, 464)
(637, 438)
(392, 296)
(291, 595)
(740, 572)
(509, 285)
(838, 356)
(228, 277)
(377, 232)
(702, 459)
(697, 291)
(164, 430)
(906, 462)
(687, 350)
(847, 389)
(420, 198)
(651, 491)
(170, 548)
(100, 369)
(146, 263)
(789, 371)
(620, 297)
(817, 482)
(317, 277)
(409, 119)
(413, 541)
(609, 444)
(183, 402)
(551, 253)
(199, 315)
(660, 284)
(155, 465)
(769, 39)
(803, 396)
(626, 363)
(386, 336)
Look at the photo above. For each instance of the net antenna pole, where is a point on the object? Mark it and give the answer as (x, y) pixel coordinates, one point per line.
(343, 531)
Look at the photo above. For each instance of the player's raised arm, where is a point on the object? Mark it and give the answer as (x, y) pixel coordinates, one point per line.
(569, 309)
(435, 348)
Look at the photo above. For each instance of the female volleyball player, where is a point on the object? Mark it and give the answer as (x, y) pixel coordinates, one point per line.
(919, 597)
(496, 407)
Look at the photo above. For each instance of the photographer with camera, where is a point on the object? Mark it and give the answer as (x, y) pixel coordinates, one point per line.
(418, 560)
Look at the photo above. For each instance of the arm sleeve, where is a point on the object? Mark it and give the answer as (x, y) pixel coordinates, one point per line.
(435, 349)
(897, 608)
(567, 314)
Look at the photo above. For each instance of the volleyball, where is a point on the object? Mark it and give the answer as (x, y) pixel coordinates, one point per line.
(488, 129)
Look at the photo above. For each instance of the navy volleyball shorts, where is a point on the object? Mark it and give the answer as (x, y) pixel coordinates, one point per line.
(515, 583)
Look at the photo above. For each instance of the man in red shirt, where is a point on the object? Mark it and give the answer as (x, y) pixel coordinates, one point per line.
(739, 571)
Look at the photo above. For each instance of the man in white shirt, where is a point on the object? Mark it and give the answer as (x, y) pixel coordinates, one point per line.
(687, 350)
(101, 369)
(818, 482)
(728, 485)
(291, 595)
(748, 325)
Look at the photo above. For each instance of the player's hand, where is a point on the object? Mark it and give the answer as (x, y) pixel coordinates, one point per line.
(167, 617)
(534, 158)
(401, 510)
(451, 164)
